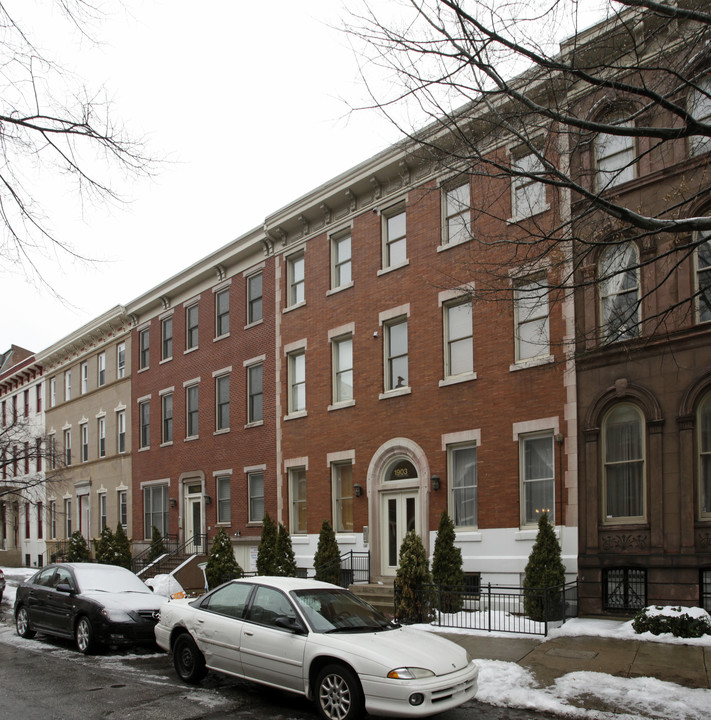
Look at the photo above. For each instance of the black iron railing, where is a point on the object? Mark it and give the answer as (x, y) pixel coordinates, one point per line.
(196, 545)
(499, 608)
(140, 561)
(354, 568)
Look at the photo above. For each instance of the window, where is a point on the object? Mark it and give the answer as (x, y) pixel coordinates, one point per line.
(223, 499)
(121, 430)
(68, 385)
(396, 354)
(155, 510)
(84, 433)
(395, 242)
(40, 520)
(704, 430)
(463, 484)
(53, 519)
(458, 335)
(144, 345)
(297, 382)
(121, 360)
(123, 507)
(222, 313)
(101, 364)
(457, 214)
(102, 511)
(38, 454)
(68, 517)
(703, 278)
(167, 412)
(51, 450)
(191, 404)
(343, 369)
(528, 194)
(166, 331)
(623, 454)
(619, 288)
(101, 434)
(531, 318)
(297, 495)
(624, 589)
(254, 298)
(295, 279)
(255, 484)
(342, 478)
(700, 107)
(38, 399)
(67, 447)
(222, 396)
(341, 260)
(84, 376)
(537, 477)
(144, 419)
(614, 157)
(191, 325)
(52, 392)
(705, 588)
(255, 402)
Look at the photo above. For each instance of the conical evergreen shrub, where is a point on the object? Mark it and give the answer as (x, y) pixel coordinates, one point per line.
(157, 546)
(78, 550)
(122, 548)
(104, 547)
(286, 561)
(413, 582)
(221, 563)
(267, 552)
(327, 560)
(447, 571)
(544, 576)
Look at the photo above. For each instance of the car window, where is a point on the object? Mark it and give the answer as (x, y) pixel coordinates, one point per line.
(44, 577)
(228, 600)
(268, 605)
(63, 576)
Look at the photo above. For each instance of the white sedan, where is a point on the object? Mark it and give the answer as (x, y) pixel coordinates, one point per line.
(318, 640)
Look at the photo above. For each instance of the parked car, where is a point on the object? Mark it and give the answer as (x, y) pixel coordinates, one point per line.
(97, 605)
(318, 640)
(2, 584)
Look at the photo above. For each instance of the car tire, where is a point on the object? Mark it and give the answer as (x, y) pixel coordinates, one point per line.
(84, 636)
(188, 661)
(338, 693)
(22, 623)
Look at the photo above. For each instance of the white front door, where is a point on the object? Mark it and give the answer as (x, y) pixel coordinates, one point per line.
(193, 514)
(399, 513)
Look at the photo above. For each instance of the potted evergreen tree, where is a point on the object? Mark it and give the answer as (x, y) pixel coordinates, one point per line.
(544, 575)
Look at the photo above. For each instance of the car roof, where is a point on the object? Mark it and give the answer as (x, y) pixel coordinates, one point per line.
(288, 583)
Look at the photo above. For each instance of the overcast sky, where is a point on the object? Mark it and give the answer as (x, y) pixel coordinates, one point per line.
(248, 103)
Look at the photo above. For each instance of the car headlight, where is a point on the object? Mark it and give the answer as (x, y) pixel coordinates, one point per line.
(410, 673)
(116, 615)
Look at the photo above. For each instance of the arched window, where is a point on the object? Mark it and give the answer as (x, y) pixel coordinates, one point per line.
(615, 156)
(619, 292)
(623, 464)
(700, 108)
(704, 429)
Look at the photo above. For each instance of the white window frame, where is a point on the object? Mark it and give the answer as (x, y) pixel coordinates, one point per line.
(700, 108)
(528, 196)
(252, 418)
(222, 315)
(342, 370)
(223, 492)
(103, 518)
(394, 238)
(615, 267)
(67, 385)
(219, 425)
(531, 310)
(456, 214)
(166, 338)
(528, 481)
(192, 326)
(101, 437)
(144, 424)
(84, 378)
(84, 436)
(121, 431)
(296, 279)
(192, 410)
(101, 369)
(702, 262)
(255, 302)
(394, 359)
(341, 260)
(297, 500)
(703, 425)
(463, 341)
(121, 360)
(456, 489)
(144, 348)
(615, 158)
(342, 496)
(67, 446)
(296, 361)
(167, 425)
(255, 482)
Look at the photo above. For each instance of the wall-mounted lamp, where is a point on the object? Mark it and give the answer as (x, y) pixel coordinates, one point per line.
(208, 499)
(357, 489)
(435, 482)
(560, 438)
(173, 502)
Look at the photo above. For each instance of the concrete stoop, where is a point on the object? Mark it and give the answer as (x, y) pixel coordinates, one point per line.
(381, 595)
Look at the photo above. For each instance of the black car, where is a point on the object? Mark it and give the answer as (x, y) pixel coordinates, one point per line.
(2, 584)
(92, 603)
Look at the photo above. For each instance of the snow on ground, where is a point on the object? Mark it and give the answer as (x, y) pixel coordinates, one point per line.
(507, 684)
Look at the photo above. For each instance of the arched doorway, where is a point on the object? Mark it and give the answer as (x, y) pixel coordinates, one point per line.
(398, 501)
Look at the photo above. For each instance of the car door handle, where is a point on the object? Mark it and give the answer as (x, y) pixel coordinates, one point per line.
(247, 632)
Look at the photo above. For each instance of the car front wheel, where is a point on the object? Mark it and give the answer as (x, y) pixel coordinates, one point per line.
(22, 623)
(188, 661)
(338, 693)
(84, 635)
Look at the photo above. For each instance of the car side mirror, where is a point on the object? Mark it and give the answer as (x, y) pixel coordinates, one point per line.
(65, 588)
(290, 624)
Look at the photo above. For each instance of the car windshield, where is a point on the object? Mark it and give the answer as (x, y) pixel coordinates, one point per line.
(109, 579)
(339, 611)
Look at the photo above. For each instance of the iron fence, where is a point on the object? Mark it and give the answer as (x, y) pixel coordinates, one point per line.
(500, 608)
(354, 566)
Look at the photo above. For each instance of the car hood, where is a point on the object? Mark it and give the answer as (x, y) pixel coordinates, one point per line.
(126, 601)
(402, 647)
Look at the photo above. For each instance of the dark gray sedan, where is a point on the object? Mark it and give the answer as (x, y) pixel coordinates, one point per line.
(96, 605)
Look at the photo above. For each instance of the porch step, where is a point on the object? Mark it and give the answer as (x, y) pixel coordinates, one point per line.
(380, 595)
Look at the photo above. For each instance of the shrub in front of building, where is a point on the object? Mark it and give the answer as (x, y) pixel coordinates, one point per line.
(221, 562)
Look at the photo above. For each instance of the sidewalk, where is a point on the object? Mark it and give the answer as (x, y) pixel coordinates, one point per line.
(548, 659)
